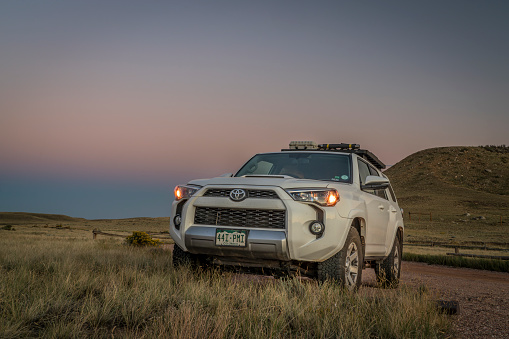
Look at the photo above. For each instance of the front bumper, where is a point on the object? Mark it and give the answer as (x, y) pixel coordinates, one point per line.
(261, 244)
(292, 242)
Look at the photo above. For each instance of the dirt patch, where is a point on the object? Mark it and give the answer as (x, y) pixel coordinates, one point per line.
(483, 296)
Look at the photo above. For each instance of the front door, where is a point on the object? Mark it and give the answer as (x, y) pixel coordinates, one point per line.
(378, 213)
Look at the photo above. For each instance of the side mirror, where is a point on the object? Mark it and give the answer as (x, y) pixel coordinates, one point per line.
(226, 175)
(374, 182)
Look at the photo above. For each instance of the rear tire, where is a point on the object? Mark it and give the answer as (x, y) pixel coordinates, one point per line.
(389, 270)
(345, 267)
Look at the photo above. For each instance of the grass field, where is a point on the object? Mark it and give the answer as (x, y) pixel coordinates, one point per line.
(475, 263)
(474, 233)
(58, 282)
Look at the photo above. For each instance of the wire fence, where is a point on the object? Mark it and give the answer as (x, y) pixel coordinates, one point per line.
(430, 216)
(475, 245)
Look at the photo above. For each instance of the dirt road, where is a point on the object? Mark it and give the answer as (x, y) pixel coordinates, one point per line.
(483, 296)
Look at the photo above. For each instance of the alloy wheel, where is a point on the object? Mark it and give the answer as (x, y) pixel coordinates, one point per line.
(352, 265)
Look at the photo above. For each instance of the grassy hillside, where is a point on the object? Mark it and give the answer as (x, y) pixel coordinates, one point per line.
(466, 189)
(44, 223)
(454, 180)
(16, 218)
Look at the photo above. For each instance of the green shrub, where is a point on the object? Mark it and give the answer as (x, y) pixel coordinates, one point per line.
(141, 239)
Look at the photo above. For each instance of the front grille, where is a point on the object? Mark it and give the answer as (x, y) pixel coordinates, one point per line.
(225, 192)
(240, 217)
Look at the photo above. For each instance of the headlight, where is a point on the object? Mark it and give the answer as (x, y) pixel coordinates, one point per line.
(322, 197)
(185, 191)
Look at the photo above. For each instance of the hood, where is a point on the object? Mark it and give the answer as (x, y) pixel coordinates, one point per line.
(280, 181)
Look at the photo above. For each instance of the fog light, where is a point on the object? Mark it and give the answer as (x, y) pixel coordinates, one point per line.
(316, 228)
(177, 220)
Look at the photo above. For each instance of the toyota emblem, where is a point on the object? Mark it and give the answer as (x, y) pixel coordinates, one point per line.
(238, 194)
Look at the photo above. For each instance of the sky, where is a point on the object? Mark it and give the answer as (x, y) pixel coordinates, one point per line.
(105, 106)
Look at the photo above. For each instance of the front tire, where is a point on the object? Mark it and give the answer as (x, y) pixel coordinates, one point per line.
(182, 258)
(345, 267)
(389, 270)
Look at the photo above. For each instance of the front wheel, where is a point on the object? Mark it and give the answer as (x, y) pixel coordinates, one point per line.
(345, 267)
(182, 258)
(389, 270)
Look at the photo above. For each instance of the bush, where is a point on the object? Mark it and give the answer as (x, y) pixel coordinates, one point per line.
(141, 239)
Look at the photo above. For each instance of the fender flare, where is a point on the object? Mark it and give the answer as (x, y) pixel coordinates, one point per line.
(399, 229)
(359, 214)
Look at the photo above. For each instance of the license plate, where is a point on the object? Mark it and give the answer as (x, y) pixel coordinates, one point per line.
(235, 238)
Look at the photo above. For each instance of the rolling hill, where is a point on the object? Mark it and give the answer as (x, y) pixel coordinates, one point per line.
(454, 180)
(16, 218)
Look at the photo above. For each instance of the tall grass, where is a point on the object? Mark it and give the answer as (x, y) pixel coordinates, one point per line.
(57, 288)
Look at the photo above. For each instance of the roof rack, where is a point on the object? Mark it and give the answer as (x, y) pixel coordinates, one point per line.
(327, 147)
(345, 148)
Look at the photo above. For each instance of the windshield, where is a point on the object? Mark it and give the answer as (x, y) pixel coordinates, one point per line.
(305, 165)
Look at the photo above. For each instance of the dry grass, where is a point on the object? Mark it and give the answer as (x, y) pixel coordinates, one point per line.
(475, 263)
(70, 286)
(459, 232)
(68, 228)
(38, 220)
(436, 250)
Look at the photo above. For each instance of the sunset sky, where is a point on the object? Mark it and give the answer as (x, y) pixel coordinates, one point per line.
(106, 105)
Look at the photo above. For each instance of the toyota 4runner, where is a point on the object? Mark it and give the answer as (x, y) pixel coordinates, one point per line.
(324, 211)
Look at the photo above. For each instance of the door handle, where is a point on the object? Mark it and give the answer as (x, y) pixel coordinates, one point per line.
(381, 207)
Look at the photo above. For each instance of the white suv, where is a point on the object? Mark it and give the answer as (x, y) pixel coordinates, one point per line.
(324, 211)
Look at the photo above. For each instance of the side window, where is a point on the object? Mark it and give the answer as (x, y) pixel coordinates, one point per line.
(393, 196)
(364, 171)
(363, 174)
(380, 193)
(373, 171)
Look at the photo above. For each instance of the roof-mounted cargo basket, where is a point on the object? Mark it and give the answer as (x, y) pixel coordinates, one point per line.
(341, 147)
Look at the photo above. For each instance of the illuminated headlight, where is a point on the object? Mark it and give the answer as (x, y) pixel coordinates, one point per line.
(185, 191)
(322, 197)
